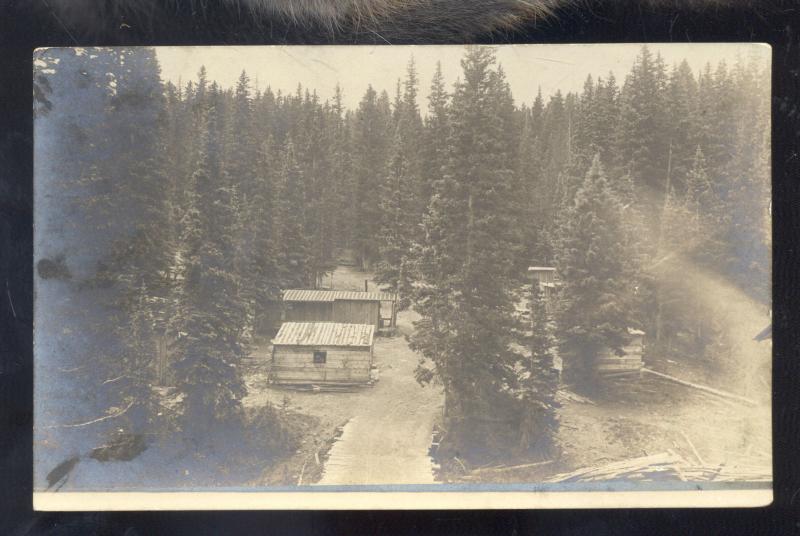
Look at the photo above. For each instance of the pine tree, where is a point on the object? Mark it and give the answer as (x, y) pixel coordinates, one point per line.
(398, 218)
(212, 315)
(370, 147)
(707, 217)
(680, 97)
(539, 382)
(410, 136)
(466, 296)
(294, 247)
(341, 187)
(607, 123)
(436, 134)
(593, 313)
(140, 263)
(643, 142)
(264, 252)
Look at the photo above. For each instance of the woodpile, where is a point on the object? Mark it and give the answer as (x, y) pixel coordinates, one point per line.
(664, 467)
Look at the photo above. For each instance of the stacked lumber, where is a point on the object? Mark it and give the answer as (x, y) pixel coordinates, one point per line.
(662, 466)
(729, 473)
(665, 466)
(612, 365)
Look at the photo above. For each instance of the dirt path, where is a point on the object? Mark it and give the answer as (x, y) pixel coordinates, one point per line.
(387, 440)
(387, 426)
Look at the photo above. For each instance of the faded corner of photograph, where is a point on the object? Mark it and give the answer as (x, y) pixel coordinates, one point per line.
(511, 268)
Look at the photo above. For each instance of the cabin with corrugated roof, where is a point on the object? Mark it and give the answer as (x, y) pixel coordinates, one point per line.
(322, 353)
(343, 306)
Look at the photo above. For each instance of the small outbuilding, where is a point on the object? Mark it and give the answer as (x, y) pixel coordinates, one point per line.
(627, 360)
(547, 279)
(322, 353)
(343, 306)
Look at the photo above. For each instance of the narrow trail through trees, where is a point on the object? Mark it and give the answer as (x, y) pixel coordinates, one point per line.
(387, 440)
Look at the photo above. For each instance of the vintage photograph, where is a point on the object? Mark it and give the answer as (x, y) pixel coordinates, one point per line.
(368, 274)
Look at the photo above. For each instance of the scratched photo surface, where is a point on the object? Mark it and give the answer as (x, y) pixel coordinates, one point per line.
(408, 268)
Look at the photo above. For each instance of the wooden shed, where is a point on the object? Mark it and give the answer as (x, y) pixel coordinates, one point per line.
(547, 279)
(322, 353)
(543, 274)
(343, 306)
(627, 361)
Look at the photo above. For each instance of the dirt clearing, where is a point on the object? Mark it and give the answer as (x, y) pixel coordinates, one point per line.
(378, 434)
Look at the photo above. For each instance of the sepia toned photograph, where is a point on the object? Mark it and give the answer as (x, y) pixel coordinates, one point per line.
(514, 276)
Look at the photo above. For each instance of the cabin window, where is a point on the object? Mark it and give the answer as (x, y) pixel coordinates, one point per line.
(320, 357)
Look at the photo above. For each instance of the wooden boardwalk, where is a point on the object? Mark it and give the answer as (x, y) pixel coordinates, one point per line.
(362, 456)
(387, 441)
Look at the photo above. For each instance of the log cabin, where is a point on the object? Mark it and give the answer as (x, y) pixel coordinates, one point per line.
(322, 353)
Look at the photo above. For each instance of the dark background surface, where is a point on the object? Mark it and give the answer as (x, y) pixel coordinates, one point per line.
(26, 24)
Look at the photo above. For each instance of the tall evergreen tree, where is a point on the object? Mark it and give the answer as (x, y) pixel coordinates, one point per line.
(643, 141)
(264, 253)
(397, 221)
(212, 314)
(294, 246)
(593, 313)
(539, 382)
(370, 147)
(466, 295)
(436, 134)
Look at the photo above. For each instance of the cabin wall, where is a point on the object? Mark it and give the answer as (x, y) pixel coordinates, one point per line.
(295, 364)
(357, 312)
(308, 312)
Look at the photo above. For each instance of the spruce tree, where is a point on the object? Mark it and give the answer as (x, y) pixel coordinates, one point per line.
(539, 381)
(294, 245)
(212, 315)
(643, 141)
(593, 313)
(264, 252)
(436, 134)
(398, 219)
(370, 146)
(467, 293)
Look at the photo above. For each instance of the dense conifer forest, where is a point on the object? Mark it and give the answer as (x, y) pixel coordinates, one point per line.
(173, 215)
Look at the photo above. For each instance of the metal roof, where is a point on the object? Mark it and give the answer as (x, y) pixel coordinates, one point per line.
(541, 269)
(324, 334)
(302, 295)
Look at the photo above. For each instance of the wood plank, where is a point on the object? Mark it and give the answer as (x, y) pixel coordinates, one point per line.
(704, 388)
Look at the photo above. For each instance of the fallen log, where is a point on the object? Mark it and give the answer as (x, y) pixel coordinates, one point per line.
(704, 388)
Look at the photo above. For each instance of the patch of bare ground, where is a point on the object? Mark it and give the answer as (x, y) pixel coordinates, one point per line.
(649, 416)
(390, 421)
(316, 418)
(633, 419)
